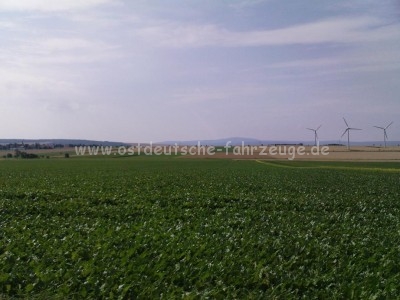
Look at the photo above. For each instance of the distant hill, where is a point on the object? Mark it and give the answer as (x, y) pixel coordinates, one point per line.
(235, 141)
(61, 142)
(218, 142)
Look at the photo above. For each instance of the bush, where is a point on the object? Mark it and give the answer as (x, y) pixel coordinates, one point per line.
(22, 154)
(66, 155)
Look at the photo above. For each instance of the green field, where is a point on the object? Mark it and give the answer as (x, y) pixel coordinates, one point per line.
(159, 227)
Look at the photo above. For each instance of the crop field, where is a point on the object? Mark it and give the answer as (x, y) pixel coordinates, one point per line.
(166, 227)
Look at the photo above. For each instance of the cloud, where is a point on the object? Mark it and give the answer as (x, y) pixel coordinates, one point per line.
(224, 92)
(341, 30)
(24, 84)
(49, 5)
(7, 25)
(51, 46)
(246, 3)
(64, 44)
(58, 51)
(358, 60)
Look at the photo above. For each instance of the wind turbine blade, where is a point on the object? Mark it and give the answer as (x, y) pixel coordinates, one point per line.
(345, 122)
(379, 127)
(310, 129)
(318, 127)
(355, 129)
(386, 135)
(344, 132)
(388, 125)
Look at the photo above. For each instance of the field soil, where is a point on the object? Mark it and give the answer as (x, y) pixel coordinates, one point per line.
(333, 154)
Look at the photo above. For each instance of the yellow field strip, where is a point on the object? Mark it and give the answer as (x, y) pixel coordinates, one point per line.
(330, 167)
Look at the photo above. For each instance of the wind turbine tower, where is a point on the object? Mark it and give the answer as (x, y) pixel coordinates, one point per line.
(385, 137)
(315, 134)
(348, 133)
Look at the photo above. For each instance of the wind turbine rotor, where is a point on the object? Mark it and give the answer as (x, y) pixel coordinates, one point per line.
(315, 134)
(385, 136)
(388, 125)
(345, 132)
(346, 122)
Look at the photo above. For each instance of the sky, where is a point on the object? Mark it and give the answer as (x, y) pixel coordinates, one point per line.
(155, 70)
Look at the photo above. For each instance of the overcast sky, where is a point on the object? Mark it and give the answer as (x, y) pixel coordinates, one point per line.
(153, 70)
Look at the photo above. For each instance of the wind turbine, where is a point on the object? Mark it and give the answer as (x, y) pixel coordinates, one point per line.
(385, 137)
(315, 134)
(348, 133)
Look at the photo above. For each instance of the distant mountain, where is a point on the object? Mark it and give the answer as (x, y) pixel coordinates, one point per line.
(61, 142)
(236, 141)
(233, 141)
(218, 142)
(363, 143)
